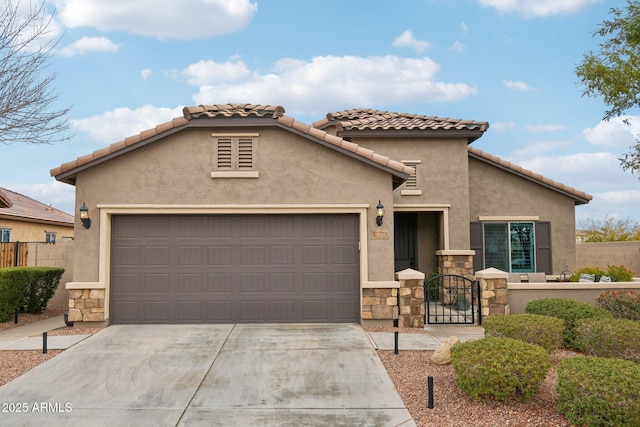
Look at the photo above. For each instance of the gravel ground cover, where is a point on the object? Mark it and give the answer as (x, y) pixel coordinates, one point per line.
(408, 371)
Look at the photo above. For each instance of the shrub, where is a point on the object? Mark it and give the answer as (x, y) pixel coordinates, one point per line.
(621, 304)
(568, 310)
(545, 331)
(619, 338)
(12, 291)
(596, 271)
(595, 391)
(617, 273)
(501, 368)
(28, 287)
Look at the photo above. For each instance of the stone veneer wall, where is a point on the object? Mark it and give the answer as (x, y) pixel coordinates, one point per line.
(379, 303)
(456, 262)
(86, 305)
(411, 298)
(494, 292)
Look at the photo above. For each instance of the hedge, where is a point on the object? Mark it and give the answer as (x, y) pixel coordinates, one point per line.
(30, 288)
(545, 331)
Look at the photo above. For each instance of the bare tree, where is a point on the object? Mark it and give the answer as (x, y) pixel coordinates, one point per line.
(609, 229)
(27, 112)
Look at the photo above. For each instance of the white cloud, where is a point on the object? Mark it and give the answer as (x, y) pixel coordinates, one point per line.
(614, 133)
(545, 128)
(124, 122)
(211, 72)
(159, 18)
(502, 126)
(463, 27)
(457, 46)
(88, 44)
(325, 83)
(146, 73)
(536, 8)
(407, 39)
(516, 85)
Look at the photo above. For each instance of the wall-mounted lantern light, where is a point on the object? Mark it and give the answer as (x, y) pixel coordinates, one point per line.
(84, 216)
(379, 213)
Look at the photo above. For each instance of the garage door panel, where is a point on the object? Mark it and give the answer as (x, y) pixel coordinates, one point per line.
(235, 268)
(219, 283)
(156, 283)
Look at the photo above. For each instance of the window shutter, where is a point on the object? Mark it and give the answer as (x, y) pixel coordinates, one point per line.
(224, 153)
(476, 244)
(543, 247)
(245, 153)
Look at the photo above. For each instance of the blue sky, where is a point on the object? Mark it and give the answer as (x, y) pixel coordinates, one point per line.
(127, 65)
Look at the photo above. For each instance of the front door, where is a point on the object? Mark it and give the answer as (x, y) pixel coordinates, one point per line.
(405, 247)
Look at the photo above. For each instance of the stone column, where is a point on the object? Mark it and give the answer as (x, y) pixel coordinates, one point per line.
(411, 298)
(459, 262)
(86, 305)
(494, 292)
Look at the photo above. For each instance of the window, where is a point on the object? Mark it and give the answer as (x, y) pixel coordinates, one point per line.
(234, 156)
(5, 235)
(50, 237)
(510, 246)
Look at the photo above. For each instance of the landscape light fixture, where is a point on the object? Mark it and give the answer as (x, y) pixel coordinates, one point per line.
(84, 216)
(379, 213)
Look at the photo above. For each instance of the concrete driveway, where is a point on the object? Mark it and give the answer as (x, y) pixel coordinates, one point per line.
(210, 375)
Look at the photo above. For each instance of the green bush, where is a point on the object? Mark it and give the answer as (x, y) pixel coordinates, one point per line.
(594, 391)
(617, 273)
(621, 304)
(30, 288)
(43, 284)
(619, 338)
(545, 331)
(12, 291)
(500, 368)
(568, 310)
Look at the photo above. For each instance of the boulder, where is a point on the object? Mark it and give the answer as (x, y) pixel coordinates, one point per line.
(442, 355)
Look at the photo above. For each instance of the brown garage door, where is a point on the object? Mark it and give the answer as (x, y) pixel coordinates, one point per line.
(234, 268)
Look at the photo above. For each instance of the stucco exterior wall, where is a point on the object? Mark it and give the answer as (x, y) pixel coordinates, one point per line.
(24, 231)
(602, 254)
(442, 176)
(495, 192)
(177, 171)
(58, 255)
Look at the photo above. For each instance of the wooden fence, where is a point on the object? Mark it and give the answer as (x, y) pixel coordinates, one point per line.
(14, 254)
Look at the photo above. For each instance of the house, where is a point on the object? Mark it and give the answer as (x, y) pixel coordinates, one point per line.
(26, 220)
(5, 202)
(239, 213)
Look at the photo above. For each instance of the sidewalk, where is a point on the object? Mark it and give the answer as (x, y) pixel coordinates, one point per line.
(436, 335)
(22, 337)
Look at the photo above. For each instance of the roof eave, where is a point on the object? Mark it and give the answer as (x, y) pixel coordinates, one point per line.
(412, 133)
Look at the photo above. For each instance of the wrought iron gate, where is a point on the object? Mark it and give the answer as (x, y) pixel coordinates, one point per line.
(452, 299)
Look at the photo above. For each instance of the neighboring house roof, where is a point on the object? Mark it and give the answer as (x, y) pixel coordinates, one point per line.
(366, 121)
(26, 209)
(580, 197)
(5, 201)
(233, 115)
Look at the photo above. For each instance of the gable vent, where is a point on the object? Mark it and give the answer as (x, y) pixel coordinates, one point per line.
(412, 181)
(224, 153)
(245, 153)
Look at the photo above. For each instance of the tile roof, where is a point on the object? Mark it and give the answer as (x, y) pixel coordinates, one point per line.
(26, 208)
(579, 196)
(367, 119)
(230, 111)
(5, 201)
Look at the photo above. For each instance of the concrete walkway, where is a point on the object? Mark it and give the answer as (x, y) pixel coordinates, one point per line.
(212, 375)
(29, 336)
(436, 335)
